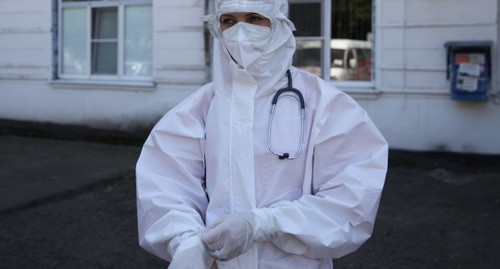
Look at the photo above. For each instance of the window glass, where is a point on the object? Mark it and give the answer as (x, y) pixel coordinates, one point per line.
(104, 41)
(338, 57)
(74, 40)
(351, 59)
(308, 56)
(105, 23)
(351, 32)
(108, 39)
(138, 41)
(104, 58)
(363, 64)
(307, 18)
(350, 37)
(351, 19)
(86, 0)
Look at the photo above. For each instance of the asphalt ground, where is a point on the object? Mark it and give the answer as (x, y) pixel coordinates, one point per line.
(67, 200)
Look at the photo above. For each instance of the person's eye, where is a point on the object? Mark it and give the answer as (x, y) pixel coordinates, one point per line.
(256, 19)
(227, 21)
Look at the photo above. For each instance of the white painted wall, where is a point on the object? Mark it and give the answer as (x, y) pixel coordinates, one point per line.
(27, 92)
(413, 109)
(411, 103)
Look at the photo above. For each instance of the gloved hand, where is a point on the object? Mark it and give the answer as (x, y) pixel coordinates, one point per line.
(191, 254)
(235, 234)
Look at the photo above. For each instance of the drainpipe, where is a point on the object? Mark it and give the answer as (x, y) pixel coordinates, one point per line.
(208, 44)
(55, 39)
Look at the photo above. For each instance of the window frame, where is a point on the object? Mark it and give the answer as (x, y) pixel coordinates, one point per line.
(88, 77)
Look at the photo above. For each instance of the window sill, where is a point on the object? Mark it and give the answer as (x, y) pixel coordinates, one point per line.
(357, 89)
(103, 84)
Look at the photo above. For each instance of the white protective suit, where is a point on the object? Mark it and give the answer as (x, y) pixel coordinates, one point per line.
(208, 158)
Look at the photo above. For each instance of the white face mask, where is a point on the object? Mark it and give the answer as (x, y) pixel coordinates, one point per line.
(246, 42)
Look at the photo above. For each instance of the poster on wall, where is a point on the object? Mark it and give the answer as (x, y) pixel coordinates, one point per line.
(470, 67)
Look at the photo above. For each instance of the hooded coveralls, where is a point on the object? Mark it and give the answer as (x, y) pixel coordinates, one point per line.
(208, 158)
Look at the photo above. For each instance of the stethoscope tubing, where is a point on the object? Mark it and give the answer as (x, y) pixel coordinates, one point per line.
(300, 98)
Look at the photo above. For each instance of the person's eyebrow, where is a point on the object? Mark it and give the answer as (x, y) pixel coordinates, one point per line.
(252, 14)
(227, 15)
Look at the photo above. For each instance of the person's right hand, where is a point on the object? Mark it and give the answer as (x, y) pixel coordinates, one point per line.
(234, 234)
(231, 237)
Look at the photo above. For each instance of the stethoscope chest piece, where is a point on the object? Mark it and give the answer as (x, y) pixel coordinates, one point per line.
(300, 97)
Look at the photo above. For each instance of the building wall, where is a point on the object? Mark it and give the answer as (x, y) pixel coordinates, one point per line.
(410, 101)
(413, 108)
(27, 91)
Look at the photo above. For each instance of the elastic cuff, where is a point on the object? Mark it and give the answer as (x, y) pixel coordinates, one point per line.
(182, 242)
(264, 226)
(193, 241)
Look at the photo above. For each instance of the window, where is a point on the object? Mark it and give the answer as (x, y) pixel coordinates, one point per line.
(342, 26)
(107, 40)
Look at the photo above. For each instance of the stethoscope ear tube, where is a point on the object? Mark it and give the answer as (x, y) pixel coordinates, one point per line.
(290, 88)
(297, 92)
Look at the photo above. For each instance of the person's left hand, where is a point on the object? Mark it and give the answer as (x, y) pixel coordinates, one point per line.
(230, 237)
(191, 254)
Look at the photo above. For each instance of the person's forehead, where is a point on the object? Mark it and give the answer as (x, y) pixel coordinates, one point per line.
(269, 7)
(240, 14)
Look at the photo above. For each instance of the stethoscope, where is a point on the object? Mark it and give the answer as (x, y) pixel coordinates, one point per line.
(300, 97)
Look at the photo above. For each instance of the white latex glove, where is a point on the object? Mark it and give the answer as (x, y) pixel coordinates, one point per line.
(191, 254)
(235, 234)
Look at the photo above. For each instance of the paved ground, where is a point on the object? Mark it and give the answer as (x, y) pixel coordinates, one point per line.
(71, 204)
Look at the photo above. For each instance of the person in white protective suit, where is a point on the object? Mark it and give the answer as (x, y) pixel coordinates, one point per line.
(222, 183)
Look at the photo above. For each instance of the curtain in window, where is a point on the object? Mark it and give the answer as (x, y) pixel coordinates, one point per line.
(105, 41)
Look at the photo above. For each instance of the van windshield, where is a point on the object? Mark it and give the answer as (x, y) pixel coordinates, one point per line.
(338, 57)
(307, 57)
(351, 63)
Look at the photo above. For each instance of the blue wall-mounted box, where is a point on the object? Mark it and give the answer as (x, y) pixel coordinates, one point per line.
(469, 68)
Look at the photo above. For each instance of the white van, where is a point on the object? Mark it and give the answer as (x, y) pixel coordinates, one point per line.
(350, 59)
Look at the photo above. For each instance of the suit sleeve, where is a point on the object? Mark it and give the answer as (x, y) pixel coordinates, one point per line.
(349, 169)
(171, 199)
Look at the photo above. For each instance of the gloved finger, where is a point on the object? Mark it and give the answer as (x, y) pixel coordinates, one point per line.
(216, 255)
(216, 245)
(210, 236)
(220, 254)
(212, 239)
(225, 253)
